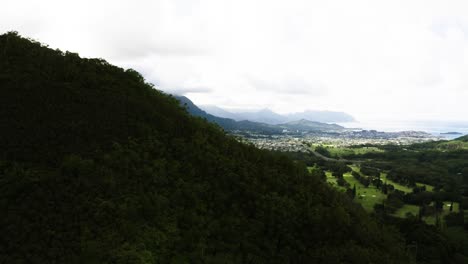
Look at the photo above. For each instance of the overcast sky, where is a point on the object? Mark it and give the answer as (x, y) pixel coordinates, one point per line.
(376, 60)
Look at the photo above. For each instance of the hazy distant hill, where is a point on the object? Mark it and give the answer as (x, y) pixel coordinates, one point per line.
(227, 123)
(306, 125)
(231, 124)
(270, 117)
(322, 116)
(263, 115)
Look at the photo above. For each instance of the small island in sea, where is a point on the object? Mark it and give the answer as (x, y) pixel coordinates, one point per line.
(451, 133)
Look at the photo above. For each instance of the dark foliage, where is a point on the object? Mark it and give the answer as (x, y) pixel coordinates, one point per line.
(364, 180)
(99, 167)
(427, 242)
(370, 171)
(322, 150)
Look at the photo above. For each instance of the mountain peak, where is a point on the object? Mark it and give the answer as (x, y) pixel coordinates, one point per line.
(266, 115)
(324, 116)
(307, 125)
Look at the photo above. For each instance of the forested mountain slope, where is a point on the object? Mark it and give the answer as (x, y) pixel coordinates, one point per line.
(227, 123)
(246, 125)
(268, 116)
(96, 166)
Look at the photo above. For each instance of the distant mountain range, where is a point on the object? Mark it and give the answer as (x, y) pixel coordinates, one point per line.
(227, 123)
(270, 117)
(307, 125)
(230, 124)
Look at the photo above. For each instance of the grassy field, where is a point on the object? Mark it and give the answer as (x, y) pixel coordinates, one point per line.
(332, 181)
(398, 186)
(429, 188)
(403, 188)
(367, 197)
(407, 208)
(370, 196)
(445, 211)
(343, 151)
(414, 210)
(453, 145)
(330, 178)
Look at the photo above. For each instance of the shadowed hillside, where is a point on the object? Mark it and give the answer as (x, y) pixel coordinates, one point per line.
(96, 166)
(246, 125)
(227, 123)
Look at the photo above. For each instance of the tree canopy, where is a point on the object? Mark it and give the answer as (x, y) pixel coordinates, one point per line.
(97, 166)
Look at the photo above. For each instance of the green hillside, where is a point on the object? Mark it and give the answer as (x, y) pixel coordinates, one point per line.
(96, 166)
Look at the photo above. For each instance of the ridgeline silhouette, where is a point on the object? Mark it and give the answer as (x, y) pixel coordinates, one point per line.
(97, 166)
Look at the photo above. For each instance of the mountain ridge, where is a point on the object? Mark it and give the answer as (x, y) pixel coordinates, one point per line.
(305, 125)
(268, 116)
(227, 123)
(302, 125)
(98, 166)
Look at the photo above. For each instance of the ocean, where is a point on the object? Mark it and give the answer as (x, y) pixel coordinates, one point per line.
(436, 128)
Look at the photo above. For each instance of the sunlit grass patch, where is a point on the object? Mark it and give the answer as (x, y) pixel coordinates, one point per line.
(347, 151)
(367, 197)
(398, 186)
(407, 209)
(429, 188)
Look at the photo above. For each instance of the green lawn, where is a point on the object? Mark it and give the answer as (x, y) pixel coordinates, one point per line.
(413, 209)
(456, 207)
(343, 151)
(370, 196)
(355, 168)
(453, 145)
(445, 211)
(330, 178)
(403, 188)
(332, 181)
(367, 197)
(407, 208)
(429, 188)
(397, 186)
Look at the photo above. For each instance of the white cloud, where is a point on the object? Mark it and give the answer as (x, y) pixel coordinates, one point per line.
(290, 85)
(373, 59)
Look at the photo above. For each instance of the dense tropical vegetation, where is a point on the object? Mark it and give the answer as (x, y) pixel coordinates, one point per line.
(97, 166)
(424, 186)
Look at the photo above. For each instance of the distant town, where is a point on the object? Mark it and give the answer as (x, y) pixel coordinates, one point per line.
(298, 135)
(298, 142)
